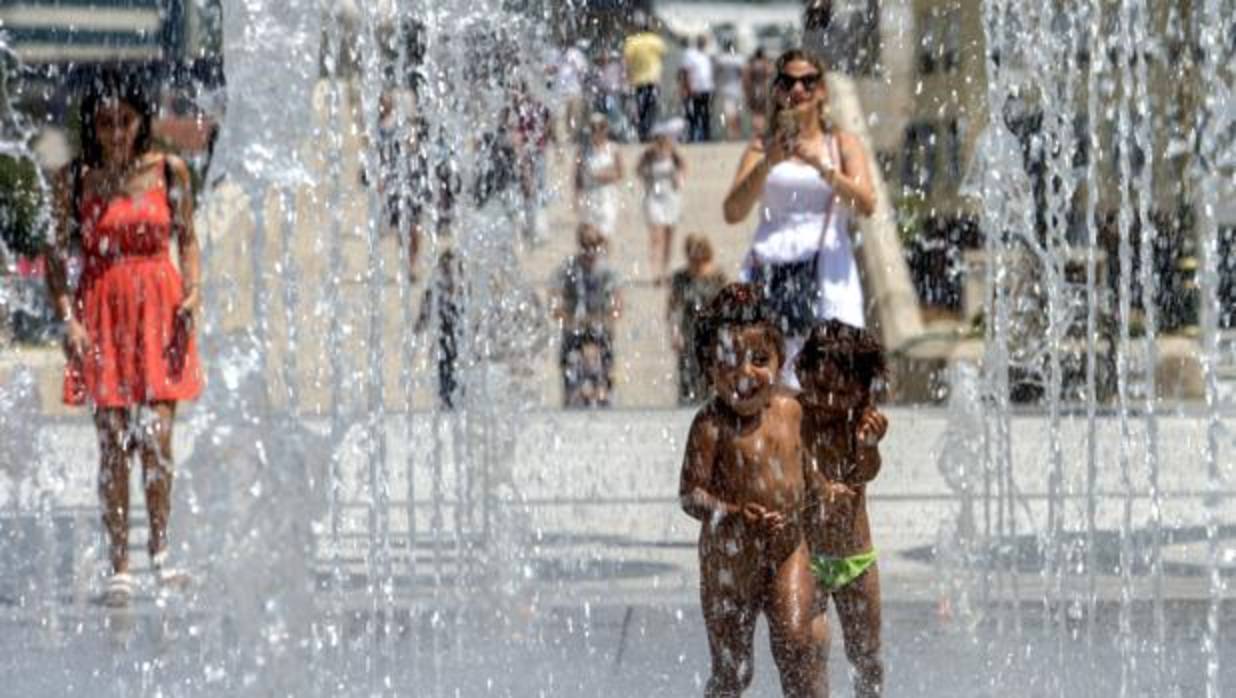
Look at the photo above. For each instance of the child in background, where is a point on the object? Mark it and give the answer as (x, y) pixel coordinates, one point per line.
(743, 479)
(692, 288)
(839, 369)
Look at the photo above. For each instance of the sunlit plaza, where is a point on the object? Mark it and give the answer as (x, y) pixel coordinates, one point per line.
(362, 507)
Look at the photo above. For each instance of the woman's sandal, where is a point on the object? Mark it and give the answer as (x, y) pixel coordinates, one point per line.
(119, 590)
(168, 577)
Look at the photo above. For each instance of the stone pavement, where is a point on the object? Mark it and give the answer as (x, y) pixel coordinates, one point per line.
(589, 500)
(587, 584)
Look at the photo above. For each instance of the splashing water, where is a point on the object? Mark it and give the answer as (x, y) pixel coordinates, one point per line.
(349, 534)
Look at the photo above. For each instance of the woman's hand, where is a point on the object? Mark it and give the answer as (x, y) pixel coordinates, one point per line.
(814, 154)
(778, 147)
(76, 339)
(189, 303)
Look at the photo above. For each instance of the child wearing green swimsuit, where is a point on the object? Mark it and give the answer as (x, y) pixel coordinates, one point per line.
(839, 369)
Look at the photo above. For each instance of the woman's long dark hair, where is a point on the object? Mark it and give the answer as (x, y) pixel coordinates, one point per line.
(128, 86)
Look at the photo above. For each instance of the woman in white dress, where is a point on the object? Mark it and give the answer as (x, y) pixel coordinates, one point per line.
(598, 170)
(661, 169)
(809, 179)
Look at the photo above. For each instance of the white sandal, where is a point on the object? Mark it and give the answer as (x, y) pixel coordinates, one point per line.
(119, 590)
(168, 577)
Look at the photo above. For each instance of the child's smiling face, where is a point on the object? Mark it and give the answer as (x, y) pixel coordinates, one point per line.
(829, 386)
(745, 368)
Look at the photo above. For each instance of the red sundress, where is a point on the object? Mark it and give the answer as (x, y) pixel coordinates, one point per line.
(127, 302)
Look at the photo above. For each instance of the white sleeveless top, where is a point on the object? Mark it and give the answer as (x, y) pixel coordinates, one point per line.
(795, 224)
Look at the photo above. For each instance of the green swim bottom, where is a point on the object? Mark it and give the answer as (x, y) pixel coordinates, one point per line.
(836, 572)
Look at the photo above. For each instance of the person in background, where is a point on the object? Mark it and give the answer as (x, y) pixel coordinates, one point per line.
(442, 308)
(607, 86)
(571, 73)
(730, 67)
(586, 302)
(403, 177)
(810, 179)
(598, 170)
(644, 54)
(531, 128)
(698, 86)
(130, 326)
(662, 170)
(756, 82)
(692, 288)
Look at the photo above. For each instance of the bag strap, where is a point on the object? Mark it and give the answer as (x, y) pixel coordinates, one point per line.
(835, 152)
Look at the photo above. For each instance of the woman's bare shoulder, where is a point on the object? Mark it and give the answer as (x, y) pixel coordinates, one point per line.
(849, 141)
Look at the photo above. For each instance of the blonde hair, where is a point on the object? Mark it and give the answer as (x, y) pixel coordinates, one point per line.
(700, 242)
(786, 58)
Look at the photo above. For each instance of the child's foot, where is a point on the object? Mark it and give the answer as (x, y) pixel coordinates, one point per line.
(119, 590)
(168, 577)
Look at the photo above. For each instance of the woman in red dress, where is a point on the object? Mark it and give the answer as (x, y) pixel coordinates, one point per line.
(129, 344)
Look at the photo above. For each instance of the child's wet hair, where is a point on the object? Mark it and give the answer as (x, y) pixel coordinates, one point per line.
(735, 305)
(848, 347)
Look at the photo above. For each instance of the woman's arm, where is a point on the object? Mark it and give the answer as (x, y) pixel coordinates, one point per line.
(617, 171)
(57, 252)
(748, 183)
(186, 235)
(76, 340)
(853, 182)
(643, 168)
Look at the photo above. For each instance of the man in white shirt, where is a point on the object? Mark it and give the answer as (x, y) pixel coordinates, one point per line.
(570, 86)
(698, 87)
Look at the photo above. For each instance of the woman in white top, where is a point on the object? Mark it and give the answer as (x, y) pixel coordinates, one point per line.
(661, 168)
(598, 170)
(809, 179)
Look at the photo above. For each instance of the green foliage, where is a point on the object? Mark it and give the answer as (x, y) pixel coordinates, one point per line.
(20, 204)
(911, 213)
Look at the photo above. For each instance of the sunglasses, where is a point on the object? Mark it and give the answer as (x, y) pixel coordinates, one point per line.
(785, 81)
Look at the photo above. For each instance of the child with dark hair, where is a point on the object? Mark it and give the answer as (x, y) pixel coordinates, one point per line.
(743, 479)
(840, 369)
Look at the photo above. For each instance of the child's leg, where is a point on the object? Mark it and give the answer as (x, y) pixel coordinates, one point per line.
(730, 613)
(792, 629)
(858, 605)
(820, 636)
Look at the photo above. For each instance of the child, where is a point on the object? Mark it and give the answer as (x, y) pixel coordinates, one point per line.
(586, 301)
(743, 479)
(839, 368)
(692, 288)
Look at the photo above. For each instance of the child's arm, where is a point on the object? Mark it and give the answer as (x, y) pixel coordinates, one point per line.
(872, 427)
(696, 476)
